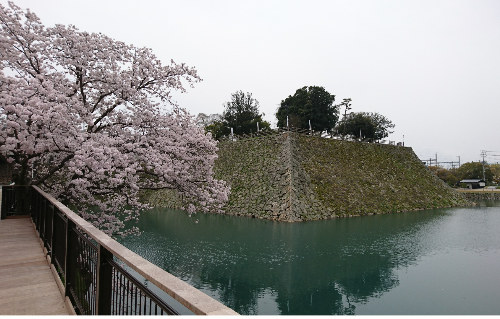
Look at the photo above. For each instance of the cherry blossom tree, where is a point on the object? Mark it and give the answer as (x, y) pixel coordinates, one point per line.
(91, 120)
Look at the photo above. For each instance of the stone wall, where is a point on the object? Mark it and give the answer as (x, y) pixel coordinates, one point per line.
(483, 195)
(291, 177)
(267, 179)
(354, 178)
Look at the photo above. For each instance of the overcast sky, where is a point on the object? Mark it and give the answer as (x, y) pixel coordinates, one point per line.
(431, 67)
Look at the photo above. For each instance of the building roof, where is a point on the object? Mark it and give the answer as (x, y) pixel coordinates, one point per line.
(471, 181)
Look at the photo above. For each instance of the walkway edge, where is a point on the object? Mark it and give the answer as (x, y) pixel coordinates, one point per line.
(188, 296)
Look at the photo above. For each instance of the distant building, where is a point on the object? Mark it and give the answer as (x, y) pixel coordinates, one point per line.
(474, 183)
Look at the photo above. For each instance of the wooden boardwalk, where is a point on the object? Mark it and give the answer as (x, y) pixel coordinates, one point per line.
(27, 284)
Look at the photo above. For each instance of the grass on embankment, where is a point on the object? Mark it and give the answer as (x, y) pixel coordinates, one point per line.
(359, 178)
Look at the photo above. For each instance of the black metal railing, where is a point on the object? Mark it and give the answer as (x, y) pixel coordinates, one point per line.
(15, 201)
(128, 299)
(93, 278)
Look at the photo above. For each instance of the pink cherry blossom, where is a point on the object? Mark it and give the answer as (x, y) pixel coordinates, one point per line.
(91, 120)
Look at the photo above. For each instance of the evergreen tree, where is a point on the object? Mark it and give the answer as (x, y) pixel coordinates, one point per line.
(241, 114)
(369, 125)
(311, 103)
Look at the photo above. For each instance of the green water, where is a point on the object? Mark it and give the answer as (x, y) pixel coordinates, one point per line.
(442, 261)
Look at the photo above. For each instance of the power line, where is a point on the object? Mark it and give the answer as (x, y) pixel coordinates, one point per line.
(434, 161)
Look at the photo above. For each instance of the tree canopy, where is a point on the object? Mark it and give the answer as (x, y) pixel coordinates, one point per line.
(450, 176)
(495, 170)
(84, 117)
(470, 170)
(369, 125)
(474, 170)
(357, 125)
(241, 114)
(312, 103)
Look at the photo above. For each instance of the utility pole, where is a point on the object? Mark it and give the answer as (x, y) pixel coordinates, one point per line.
(483, 154)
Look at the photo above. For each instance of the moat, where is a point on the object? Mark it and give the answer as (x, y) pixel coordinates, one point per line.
(431, 262)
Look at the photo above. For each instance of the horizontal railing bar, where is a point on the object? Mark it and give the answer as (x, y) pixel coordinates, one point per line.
(84, 238)
(188, 296)
(151, 295)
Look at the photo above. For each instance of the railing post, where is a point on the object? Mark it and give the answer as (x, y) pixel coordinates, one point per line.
(34, 206)
(45, 222)
(49, 224)
(39, 214)
(4, 203)
(69, 257)
(104, 281)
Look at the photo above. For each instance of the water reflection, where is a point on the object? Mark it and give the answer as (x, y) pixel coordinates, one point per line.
(323, 267)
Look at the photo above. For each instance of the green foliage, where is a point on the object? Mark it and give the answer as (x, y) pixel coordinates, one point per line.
(357, 125)
(495, 170)
(371, 125)
(383, 125)
(474, 170)
(241, 114)
(216, 129)
(309, 103)
(449, 176)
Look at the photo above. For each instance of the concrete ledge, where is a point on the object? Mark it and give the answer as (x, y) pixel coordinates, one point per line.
(67, 302)
(56, 277)
(188, 296)
(70, 307)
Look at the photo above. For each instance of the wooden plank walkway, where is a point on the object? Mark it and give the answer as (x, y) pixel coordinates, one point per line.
(27, 284)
